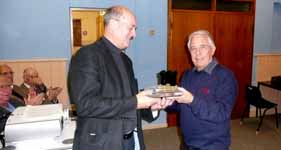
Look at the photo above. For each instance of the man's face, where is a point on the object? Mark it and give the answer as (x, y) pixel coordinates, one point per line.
(201, 51)
(34, 77)
(126, 30)
(31, 77)
(7, 72)
(5, 89)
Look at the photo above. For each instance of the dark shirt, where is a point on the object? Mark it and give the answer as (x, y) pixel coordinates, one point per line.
(116, 53)
(205, 123)
(117, 56)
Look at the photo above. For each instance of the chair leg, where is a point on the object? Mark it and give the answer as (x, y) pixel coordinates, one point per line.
(257, 113)
(261, 119)
(243, 114)
(276, 116)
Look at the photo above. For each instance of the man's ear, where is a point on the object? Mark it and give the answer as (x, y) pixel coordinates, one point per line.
(213, 51)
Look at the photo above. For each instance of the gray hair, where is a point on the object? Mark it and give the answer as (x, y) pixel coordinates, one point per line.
(4, 66)
(202, 33)
(114, 12)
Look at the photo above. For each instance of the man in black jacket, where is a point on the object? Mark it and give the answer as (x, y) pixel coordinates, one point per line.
(103, 87)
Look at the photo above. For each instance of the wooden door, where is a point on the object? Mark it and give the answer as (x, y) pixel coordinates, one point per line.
(234, 41)
(77, 36)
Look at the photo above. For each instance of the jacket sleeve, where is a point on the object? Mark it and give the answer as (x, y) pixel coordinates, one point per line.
(146, 114)
(85, 83)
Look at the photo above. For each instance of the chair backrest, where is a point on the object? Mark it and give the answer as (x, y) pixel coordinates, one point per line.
(253, 94)
(167, 77)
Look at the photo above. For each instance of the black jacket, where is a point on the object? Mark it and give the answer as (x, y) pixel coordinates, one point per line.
(95, 87)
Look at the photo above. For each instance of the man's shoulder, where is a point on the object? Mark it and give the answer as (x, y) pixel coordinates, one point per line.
(222, 69)
(22, 86)
(3, 111)
(224, 72)
(18, 89)
(93, 49)
(18, 92)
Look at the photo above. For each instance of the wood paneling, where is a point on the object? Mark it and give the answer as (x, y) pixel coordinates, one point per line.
(234, 41)
(52, 71)
(267, 65)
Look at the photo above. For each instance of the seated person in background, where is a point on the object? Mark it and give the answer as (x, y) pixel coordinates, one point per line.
(7, 105)
(33, 82)
(26, 98)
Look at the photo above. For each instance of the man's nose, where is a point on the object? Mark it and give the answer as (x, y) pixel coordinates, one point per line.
(134, 34)
(197, 52)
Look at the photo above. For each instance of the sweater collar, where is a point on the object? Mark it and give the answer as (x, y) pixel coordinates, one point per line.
(210, 67)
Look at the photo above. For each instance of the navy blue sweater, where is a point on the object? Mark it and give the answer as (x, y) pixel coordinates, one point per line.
(205, 123)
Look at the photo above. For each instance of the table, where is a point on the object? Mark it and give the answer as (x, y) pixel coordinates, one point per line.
(268, 84)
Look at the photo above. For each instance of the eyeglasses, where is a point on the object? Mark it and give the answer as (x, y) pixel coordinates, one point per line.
(201, 48)
(7, 73)
(5, 86)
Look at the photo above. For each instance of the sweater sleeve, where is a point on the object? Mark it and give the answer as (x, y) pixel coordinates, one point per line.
(217, 107)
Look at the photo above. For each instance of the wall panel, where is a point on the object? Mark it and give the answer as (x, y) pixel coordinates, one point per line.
(267, 65)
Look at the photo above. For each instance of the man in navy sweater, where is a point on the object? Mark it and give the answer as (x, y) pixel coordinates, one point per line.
(209, 92)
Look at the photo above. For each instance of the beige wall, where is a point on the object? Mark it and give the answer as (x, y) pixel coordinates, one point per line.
(267, 65)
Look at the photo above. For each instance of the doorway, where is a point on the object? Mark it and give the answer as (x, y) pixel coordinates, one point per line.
(86, 26)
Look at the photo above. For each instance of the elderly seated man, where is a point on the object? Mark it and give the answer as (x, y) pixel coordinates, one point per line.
(7, 105)
(32, 81)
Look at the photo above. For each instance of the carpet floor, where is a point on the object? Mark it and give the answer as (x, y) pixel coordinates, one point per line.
(244, 136)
